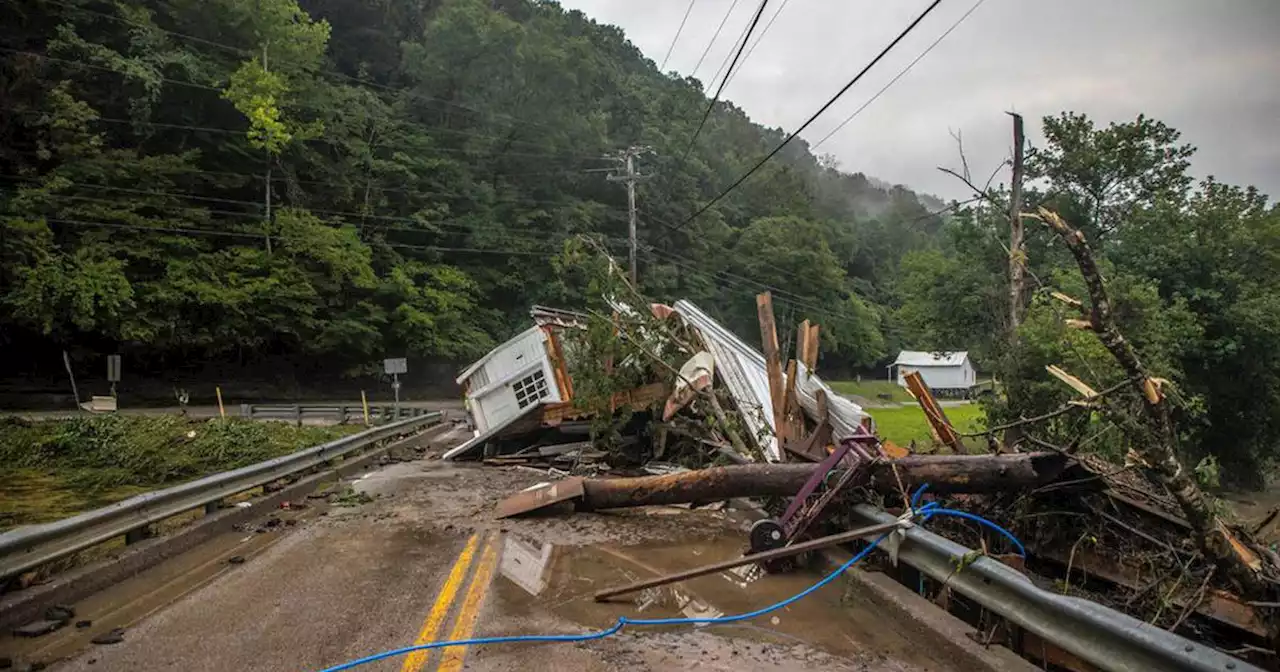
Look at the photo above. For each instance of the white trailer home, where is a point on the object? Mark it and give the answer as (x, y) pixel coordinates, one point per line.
(514, 376)
(942, 371)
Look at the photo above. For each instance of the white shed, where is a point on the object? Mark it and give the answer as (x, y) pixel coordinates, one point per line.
(940, 370)
(504, 383)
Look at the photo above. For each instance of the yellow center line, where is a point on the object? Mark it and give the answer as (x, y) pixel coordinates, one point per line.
(451, 660)
(440, 610)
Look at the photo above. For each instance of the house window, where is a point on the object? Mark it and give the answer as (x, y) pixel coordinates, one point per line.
(530, 389)
(479, 379)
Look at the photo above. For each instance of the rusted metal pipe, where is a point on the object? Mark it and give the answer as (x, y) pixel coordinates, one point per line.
(943, 473)
(765, 556)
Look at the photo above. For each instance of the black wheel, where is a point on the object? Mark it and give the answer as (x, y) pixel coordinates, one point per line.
(766, 535)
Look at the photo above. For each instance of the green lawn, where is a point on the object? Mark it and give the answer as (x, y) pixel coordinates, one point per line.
(870, 389)
(904, 424)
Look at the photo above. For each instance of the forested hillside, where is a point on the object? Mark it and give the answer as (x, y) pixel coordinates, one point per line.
(329, 182)
(339, 181)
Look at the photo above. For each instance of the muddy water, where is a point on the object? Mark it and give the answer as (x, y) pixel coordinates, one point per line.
(542, 583)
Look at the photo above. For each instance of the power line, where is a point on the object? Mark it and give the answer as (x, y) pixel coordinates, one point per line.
(464, 224)
(82, 64)
(448, 227)
(332, 142)
(715, 36)
(255, 236)
(675, 39)
(898, 76)
(815, 115)
(712, 103)
(759, 37)
(740, 39)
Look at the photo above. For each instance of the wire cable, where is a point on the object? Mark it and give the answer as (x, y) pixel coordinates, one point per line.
(694, 72)
(815, 115)
(898, 76)
(759, 37)
(677, 37)
(712, 103)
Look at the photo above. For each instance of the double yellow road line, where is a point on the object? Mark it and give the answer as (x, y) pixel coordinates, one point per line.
(464, 623)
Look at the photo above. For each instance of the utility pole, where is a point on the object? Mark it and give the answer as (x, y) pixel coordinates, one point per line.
(627, 157)
(1017, 253)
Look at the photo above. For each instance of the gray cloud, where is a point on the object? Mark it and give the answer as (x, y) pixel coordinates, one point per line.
(1210, 69)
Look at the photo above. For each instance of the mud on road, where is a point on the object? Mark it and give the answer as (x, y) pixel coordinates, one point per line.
(342, 582)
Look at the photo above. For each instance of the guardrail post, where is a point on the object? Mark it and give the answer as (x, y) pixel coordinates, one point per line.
(246, 411)
(297, 414)
(211, 508)
(138, 534)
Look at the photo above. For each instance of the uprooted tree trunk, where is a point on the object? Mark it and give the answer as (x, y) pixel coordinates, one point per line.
(943, 473)
(1155, 440)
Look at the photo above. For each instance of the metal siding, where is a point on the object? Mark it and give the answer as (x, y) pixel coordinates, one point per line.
(937, 377)
(743, 370)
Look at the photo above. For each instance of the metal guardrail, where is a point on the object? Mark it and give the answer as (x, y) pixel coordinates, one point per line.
(1102, 636)
(30, 546)
(341, 413)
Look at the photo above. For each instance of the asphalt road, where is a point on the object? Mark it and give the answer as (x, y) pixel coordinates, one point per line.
(424, 560)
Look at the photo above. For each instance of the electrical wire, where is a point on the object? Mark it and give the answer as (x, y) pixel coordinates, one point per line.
(815, 115)
(759, 37)
(926, 512)
(898, 76)
(716, 35)
(677, 37)
(259, 236)
(714, 99)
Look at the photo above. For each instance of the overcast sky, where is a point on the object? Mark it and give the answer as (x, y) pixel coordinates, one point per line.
(1210, 69)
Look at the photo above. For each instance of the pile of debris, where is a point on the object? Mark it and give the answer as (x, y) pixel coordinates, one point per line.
(704, 395)
(691, 413)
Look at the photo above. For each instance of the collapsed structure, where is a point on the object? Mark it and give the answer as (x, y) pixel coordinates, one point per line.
(697, 396)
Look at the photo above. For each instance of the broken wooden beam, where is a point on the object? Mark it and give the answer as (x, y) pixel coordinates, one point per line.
(773, 363)
(941, 427)
(943, 473)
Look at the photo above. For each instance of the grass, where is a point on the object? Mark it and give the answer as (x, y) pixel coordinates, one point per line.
(55, 468)
(871, 389)
(905, 424)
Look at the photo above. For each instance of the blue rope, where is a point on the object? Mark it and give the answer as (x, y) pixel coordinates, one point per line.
(927, 511)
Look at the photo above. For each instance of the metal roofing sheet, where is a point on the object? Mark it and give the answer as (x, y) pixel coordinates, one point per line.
(744, 373)
(919, 358)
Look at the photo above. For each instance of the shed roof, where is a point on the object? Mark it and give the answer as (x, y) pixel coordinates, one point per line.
(466, 373)
(920, 358)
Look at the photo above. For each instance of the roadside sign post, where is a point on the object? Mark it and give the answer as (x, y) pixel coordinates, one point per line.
(113, 372)
(395, 367)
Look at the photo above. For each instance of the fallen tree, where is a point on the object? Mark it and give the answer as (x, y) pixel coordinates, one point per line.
(943, 473)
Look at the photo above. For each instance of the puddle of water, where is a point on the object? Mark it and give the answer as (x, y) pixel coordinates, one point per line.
(541, 580)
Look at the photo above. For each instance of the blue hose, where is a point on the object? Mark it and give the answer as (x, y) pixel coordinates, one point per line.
(927, 511)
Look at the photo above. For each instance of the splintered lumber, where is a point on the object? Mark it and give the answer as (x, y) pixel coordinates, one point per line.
(938, 422)
(769, 339)
(943, 473)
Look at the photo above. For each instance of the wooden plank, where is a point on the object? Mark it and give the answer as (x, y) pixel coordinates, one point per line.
(557, 357)
(811, 348)
(793, 414)
(938, 422)
(1075, 383)
(802, 342)
(769, 339)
